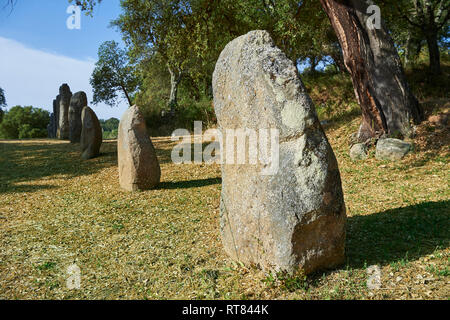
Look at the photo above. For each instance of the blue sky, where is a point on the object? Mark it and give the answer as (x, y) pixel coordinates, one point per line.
(38, 52)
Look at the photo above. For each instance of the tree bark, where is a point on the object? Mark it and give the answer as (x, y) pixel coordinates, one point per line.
(126, 95)
(387, 103)
(433, 50)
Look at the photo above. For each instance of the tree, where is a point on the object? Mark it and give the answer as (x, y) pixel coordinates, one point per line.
(24, 122)
(165, 29)
(110, 124)
(158, 30)
(387, 103)
(113, 74)
(2, 103)
(429, 20)
(110, 128)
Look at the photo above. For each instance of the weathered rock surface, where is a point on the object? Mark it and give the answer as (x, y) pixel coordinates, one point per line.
(91, 134)
(56, 116)
(77, 103)
(392, 149)
(358, 152)
(65, 95)
(138, 165)
(296, 217)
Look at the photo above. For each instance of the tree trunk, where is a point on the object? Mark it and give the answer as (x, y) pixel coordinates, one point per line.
(314, 62)
(433, 50)
(126, 95)
(387, 103)
(339, 61)
(175, 79)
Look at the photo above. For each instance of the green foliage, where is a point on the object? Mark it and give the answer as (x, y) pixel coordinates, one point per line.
(424, 86)
(188, 36)
(2, 103)
(332, 93)
(113, 74)
(288, 282)
(86, 5)
(110, 128)
(185, 38)
(2, 98)
(24, 122)
(414, 24)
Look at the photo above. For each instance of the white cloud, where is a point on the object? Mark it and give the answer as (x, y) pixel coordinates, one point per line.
(33, 77)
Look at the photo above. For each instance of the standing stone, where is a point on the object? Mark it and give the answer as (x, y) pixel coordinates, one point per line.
(296, 217)
(56, 117)
(77, 103)
(65, 96)
(51, 126)
(91, 134)
(138, 165)
(391, 149)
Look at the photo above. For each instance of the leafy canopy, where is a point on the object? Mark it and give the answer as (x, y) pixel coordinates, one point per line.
(113, 74)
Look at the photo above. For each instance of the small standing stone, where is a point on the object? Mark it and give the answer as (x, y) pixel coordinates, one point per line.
(91, 134)
(77, 103)
(138, 165)
(358, 152)
(392, 149)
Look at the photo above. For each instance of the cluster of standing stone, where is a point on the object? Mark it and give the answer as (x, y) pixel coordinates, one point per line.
(73, 120)
(296, 217)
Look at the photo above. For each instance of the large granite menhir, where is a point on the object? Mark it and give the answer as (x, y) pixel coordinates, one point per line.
(91, 134)
(64, 101)
(294, 218)
(77, 103)
(138, 165)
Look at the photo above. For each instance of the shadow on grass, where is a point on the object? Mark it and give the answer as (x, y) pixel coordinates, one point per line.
(189, 184)
(11, 188)
(29, 161)
(398, 234)
(164, 150)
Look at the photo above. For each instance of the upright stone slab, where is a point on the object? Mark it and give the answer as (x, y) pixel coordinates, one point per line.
(138, 165)
(91, 134)
(294, 218)
(50, 126)
(77, 103)
(56, 116)
(65, 96)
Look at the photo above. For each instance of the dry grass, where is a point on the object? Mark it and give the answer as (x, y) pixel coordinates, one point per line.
(165, 244)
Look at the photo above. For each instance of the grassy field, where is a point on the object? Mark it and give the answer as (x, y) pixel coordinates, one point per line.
(56, 210)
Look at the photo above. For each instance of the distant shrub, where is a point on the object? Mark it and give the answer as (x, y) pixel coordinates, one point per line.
(161, 122)
(110, 128)
(24, 123)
